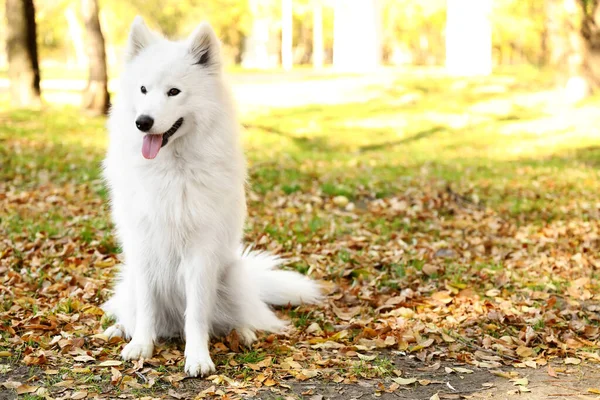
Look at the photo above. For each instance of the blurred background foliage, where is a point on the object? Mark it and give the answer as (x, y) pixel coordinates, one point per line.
(413, 32)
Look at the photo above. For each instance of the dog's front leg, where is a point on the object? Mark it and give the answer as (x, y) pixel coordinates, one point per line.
(201, 279)
(142, 340)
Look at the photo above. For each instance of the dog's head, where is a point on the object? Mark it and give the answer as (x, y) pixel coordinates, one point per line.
(171, 87)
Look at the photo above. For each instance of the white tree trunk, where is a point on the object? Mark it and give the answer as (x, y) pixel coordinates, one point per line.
(357, 35)
(76, 36)
(286, 34)
(256, 44)
(468, 37)
(317, 34)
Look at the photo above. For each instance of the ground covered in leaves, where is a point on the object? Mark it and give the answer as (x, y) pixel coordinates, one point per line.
(453, 221)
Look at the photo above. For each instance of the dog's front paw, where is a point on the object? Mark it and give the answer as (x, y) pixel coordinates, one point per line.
(247, 336)
(135, 351)
(201, 366)
(115, 330)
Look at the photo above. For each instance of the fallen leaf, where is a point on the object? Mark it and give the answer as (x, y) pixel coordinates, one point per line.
(174, 394)
(572, 361)
(82, 394)
(463, 370)
(23, 389)
(365, 357)
(110, 363)
(521, 382)
(404, 381)
(551, 371)
(11, 384)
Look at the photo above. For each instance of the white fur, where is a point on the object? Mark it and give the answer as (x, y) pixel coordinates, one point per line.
(180, 216)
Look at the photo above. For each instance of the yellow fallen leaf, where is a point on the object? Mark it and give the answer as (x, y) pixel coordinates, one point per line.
(430, 269)
(110, 363)
(463, 370)
(67, 383)
(11, 384)
(340, 201)
(521, 382)
(525, 352)
(84, 358)
(443, 297)
(447, 338)
(100, 336)
(422, 345)
(507, 375)
(593, 390)
(26, 389)
(82, 394)
(404, 381)
(572, 361)
(435, 397)
(365, 357)
(5, 353)
(270, 382)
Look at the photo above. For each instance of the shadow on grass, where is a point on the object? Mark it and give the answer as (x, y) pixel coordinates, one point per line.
(417, 136)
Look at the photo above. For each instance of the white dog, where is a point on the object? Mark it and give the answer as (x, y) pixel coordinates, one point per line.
(176, 174)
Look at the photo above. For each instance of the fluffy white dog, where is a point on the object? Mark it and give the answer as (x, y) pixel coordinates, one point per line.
(176, 174)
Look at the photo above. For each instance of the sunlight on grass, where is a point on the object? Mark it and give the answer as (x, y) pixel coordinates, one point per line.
(505, 127)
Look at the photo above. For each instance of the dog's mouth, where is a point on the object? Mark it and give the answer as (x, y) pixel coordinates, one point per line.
(153, 143)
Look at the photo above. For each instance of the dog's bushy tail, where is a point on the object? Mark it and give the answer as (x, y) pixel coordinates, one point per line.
(279, 287)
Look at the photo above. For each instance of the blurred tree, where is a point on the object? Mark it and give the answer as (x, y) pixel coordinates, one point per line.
(231, 19)
(357, 25)
(287, 18)
(469, 37)
(413, 31)
(21, 47)
(76, 35)
(590, 32)
(95, 97)
(573, 35)
(317, 56)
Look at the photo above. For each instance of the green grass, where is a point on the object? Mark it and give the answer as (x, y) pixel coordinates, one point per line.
(417, 126)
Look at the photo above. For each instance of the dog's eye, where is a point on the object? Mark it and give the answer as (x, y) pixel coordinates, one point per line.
(143, 89)
(173, 92)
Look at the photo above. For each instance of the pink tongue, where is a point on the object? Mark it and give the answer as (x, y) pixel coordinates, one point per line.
(151, 146)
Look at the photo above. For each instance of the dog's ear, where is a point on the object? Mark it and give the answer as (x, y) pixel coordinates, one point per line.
(139, 37)
(204, 45)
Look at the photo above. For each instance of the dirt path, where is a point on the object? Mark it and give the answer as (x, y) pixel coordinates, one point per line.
(417, 381)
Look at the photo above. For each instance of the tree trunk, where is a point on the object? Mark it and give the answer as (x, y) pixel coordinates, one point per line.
(76, 36)
(286, 34)
(21, 48)
(357, 35)
(590, 32)
(317, 55)
(468, 37)
(95, 98)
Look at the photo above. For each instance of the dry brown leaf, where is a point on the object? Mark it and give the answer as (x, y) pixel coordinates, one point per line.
(82, 394)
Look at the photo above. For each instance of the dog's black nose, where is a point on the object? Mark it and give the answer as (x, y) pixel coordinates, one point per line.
(144, 123)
